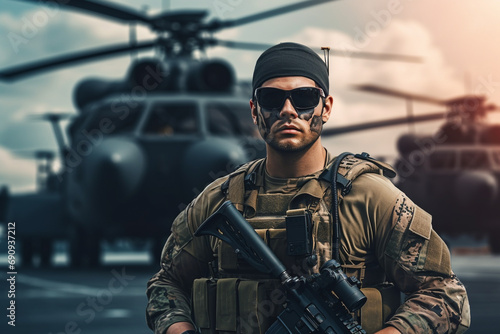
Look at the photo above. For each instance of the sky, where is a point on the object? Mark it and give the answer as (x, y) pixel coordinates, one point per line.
(457, 41)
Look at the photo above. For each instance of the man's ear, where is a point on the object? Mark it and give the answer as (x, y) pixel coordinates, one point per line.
(253, 108)
(327, 108)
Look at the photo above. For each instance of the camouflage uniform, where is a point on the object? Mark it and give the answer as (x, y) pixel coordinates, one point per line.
(380, 227)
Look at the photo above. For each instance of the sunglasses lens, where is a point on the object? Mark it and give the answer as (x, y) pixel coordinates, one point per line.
(274, 98)
(305, 98)
(271, 98)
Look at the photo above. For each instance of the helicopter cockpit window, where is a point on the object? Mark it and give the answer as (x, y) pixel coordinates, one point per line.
(230, 119)
(442, 160)
(167, 119)
(474, 159)
(111, 119)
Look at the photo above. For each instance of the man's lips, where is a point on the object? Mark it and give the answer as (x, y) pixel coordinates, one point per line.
(288, 128)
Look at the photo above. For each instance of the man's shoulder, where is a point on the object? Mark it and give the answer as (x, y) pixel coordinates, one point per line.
(214, 192)
(376, 183)
(248, 166)
(372, 190)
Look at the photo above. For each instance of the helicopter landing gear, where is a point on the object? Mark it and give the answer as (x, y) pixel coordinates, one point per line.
(84, 248)
(36, 252)
(45, 251)
(27, 252)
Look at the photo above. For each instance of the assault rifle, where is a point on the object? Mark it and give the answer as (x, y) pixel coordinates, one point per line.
(312, 306)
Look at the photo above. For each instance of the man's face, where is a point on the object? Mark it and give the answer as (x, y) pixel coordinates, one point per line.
(289, 130)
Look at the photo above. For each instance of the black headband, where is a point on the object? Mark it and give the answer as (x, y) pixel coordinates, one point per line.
(290, 59)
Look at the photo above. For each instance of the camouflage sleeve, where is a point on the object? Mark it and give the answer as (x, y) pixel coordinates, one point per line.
(184, 258)
(418, 262)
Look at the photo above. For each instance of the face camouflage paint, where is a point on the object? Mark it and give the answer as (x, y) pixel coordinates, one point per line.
(267, 118)
(317, 124)
(271, 101)
(306, 114)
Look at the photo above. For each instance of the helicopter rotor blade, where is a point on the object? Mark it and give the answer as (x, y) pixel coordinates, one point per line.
(217, 25)
(240, 45)
(392, 92)
(380, 124)
(354, 54)
(51, 116)
(36, 67)
(376, 56)
(115, 11)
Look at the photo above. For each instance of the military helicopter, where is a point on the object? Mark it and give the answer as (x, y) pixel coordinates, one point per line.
(142, 147)
(454, 174)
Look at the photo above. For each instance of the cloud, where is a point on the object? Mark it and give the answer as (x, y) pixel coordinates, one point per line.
(433, 77)
(64, 32)
(61, 33)
(67, 32)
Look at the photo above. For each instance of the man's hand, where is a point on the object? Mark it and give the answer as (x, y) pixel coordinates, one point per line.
(180, 327)
(388, 330)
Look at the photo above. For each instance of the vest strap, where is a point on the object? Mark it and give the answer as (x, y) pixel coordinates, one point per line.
(241, 180)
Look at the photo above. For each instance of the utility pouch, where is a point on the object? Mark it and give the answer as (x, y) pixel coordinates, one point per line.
(204, 302)
(299, 232)
(260, 301)
(227, 305)
(383, 299)
(382, 302)
(235, 305)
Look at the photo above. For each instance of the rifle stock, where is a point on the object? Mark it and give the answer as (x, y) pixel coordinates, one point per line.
(228, 224)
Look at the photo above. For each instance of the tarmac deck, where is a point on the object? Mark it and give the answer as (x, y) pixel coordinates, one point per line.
(111, 299)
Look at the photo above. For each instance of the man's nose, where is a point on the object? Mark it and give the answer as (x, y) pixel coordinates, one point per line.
(288, 110)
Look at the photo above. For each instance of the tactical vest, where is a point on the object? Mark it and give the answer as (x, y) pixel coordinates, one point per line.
(239, 299)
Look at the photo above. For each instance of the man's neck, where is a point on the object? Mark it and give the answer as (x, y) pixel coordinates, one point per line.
(295, 164)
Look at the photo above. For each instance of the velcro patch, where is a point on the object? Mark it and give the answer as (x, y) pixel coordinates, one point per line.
(421, 223)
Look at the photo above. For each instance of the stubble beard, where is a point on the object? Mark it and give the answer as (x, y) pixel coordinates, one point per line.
(291, 147)
(266, 123)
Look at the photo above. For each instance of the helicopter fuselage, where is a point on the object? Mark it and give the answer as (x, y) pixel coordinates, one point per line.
(157, 155)
(459, 184)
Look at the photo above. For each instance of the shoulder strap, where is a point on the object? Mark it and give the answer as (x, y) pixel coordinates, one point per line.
(363, 163)
(342, 172)
(243, 178)
(333, 175)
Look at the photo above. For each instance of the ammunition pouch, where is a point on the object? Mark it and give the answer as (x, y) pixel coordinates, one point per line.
(383, 299)
(236, 305)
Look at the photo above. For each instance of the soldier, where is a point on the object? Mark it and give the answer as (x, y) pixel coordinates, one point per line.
(380, 236)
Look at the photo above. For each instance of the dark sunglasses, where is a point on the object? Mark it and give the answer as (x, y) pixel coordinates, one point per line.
(302, 98)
